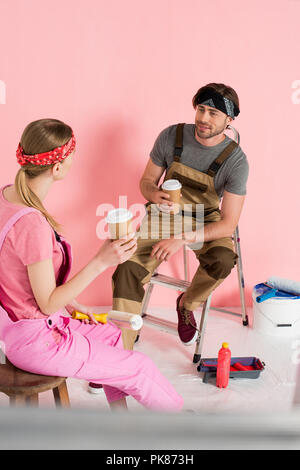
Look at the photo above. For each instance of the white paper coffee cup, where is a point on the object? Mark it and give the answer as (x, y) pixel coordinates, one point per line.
(171, 185)
(173, 188)
(119, 222)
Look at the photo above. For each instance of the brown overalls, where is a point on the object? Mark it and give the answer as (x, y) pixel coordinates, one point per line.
(216, 258)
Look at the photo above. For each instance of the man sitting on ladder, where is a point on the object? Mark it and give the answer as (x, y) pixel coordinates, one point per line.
(210, 166)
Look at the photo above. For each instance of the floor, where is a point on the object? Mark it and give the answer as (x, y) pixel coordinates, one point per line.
(273, 390)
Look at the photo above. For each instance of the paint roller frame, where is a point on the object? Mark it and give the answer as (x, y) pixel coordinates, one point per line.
(274, 291)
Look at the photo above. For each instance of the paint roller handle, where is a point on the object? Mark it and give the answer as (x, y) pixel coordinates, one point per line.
(100, 317)
(135, 321)
(266, 296)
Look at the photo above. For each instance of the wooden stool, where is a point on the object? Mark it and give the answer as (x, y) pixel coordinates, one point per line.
(24, 387)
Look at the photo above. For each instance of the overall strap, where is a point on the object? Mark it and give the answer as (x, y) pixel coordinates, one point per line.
(9, 224)
(215, 166)
(6, 320)
(178, 142)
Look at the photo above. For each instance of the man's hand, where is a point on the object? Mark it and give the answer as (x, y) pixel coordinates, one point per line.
(165, 205)
(164, 249)
(162, 200)
(149, 184)
(160, 197)
(150, 190)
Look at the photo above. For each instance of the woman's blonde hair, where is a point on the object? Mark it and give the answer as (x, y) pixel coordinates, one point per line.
(39, 137)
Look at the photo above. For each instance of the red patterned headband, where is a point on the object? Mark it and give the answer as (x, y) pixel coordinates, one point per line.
(47, 158)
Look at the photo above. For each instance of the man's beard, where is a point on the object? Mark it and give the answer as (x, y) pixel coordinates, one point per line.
(219, 130)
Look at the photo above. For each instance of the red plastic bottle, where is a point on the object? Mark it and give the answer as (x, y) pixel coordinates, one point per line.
(223, 367)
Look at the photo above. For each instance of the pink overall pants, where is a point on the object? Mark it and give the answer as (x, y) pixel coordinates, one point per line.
(61, 346)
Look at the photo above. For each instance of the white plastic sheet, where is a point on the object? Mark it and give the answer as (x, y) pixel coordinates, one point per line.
(273, 391)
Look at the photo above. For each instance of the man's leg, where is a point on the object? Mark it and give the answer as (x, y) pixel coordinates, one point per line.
(128, 283)
(216, 260)
(130, 277)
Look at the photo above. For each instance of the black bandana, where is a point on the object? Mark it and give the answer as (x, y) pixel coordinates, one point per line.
(210, 97)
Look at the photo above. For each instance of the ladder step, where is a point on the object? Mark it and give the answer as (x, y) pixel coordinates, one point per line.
(160, 323)
(171, 282)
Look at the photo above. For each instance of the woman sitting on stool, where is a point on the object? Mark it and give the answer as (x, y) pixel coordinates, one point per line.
(34, 265)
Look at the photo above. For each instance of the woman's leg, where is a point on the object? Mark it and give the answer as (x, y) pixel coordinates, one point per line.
(112, 336)
(123, 372)
(92, 353)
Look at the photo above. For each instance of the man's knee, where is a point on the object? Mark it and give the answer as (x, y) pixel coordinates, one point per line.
(127, 281)
(218, 261)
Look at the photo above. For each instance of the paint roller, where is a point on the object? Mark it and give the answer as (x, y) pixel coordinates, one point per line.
(279, 284)
(135, 321)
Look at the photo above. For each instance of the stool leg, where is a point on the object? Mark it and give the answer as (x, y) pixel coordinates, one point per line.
(61, 395)
(32, 400)
(17, 400)
(200, 338)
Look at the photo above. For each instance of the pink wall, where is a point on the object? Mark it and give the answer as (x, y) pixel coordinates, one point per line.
(118, 72)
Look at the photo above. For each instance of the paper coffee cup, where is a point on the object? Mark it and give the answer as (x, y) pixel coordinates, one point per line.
(119, 223)
(173, 188)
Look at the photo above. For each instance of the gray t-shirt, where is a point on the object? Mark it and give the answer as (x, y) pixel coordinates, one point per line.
(232, 175)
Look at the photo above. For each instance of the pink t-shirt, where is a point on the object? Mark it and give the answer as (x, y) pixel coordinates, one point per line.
(31, 239)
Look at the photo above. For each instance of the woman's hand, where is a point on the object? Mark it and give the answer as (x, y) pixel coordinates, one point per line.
(91, 320)
(74, 305)
(164, 249)
(114, 252)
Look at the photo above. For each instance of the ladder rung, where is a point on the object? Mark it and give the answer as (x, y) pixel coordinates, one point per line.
(171, 282)
(226, 311)
(160, 323)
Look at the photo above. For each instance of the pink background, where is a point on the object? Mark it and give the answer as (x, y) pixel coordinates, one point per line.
(119, 72)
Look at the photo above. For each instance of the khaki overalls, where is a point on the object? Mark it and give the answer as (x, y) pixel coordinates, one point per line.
(216, 258)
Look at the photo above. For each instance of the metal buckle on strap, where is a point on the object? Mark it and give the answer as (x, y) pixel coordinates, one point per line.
(213, 168)
(178, 151)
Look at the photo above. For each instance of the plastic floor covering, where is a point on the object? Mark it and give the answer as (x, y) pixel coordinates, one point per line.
(273, 390)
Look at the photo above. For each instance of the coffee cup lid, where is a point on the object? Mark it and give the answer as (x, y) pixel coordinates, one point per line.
(171, 185)
(118, 215)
